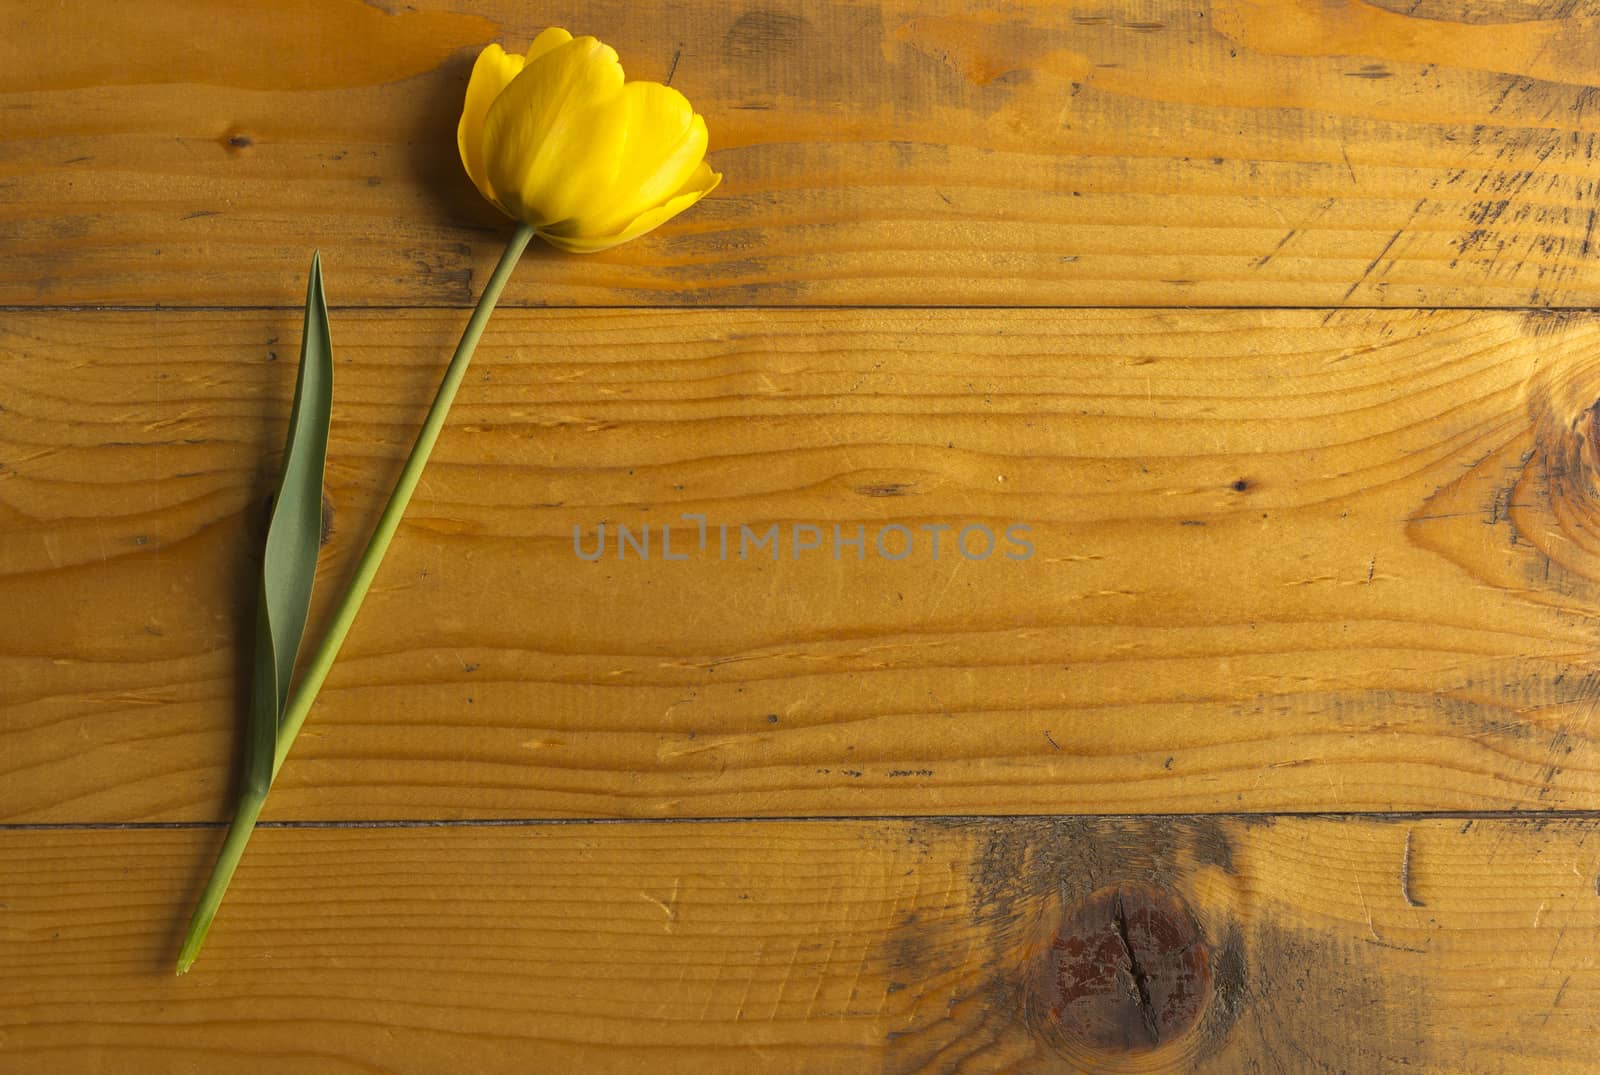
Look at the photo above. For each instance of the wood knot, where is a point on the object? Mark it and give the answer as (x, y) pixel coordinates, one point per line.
(1128, 971)
(1523, 518)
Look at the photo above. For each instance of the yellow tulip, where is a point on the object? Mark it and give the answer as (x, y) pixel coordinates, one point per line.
(558, 140)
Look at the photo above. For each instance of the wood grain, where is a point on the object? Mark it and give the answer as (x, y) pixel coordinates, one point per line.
(1282, 561)
(1314, 152)
(1360, 946)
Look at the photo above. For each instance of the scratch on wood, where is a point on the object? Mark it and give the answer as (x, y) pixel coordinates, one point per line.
(1396, 947)
(1366, 910)
(1556, 1003)
(1373, 264)
(669, 905)
(884, 489)
(1405, 875)
(1262, 261)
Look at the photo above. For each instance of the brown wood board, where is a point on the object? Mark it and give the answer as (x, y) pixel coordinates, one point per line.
(1231, 153)
(1281, 561)
(1366, 945)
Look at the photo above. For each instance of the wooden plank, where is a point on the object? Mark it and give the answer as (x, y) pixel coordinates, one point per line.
(1352, 945)
(1280, 562)
(922, 151)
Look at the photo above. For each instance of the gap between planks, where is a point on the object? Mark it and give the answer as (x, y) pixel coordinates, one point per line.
(1537, 816)
(710, 307)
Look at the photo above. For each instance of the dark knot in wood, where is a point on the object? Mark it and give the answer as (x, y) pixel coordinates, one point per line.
(1128, 971)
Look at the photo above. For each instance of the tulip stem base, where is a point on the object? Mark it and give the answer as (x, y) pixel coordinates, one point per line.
(244, 823)
(317, 668)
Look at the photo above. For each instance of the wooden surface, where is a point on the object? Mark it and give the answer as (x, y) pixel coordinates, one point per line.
(1330, 549)
(1312, 564)
(897, 946)
(1239, 152)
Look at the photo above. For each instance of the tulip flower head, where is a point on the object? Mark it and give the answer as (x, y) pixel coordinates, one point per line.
(558, 140)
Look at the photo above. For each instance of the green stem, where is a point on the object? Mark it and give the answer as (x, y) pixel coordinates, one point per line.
(322, 661)
(316, 670)
(244, 823)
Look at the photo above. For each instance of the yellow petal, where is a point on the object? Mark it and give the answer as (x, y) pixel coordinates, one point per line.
(547, 40)
(664, 144)
(700, 183)
(492, 72)
(541, 134)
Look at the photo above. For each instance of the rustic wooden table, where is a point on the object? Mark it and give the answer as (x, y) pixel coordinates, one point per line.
(1270, 322)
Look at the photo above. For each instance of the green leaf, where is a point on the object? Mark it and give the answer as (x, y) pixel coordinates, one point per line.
(288, 568)
(294, 535)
